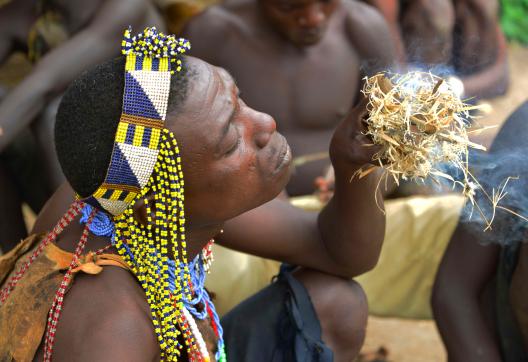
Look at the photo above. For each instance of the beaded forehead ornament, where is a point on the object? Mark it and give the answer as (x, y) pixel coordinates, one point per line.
(150, 60)
(145, 166)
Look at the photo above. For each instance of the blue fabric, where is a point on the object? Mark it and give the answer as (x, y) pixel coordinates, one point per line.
(278, 324)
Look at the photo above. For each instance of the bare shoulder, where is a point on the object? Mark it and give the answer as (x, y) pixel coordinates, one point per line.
(211, 31)
(129, 9)
(363, 18)
(370, 35)
(210, 21)
(106, 317)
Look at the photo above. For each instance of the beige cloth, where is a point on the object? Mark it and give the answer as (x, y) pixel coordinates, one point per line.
(416, 236)
(236, 276)
(417, 233)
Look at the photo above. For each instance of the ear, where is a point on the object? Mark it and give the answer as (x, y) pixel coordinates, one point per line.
(140, 209)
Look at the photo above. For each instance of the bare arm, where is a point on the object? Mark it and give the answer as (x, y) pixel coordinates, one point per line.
(370, 36)
(54, 208)
(106, 318)
(480, 48)
(465, 270)
(207, 31)
(56, 70)
(494, 79)
(130, 341)
(427, 29)
(344, 239)
(390, 9)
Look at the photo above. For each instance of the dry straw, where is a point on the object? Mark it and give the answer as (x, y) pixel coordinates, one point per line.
(419, 122)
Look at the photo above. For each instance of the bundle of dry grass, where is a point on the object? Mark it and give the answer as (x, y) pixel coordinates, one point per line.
(420, 123)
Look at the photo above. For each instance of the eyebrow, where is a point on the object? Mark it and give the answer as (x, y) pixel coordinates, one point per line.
(225, 127)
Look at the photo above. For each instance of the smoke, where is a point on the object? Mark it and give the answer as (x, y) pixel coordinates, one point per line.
(503, 174)
(504, 177)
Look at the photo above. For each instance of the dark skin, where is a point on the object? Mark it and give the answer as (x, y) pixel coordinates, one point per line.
(519, 294)
(300, 61)
(482, 53)
(462, 33)
(460, 312)
(245, 168)
(93, 28)
(463, 300)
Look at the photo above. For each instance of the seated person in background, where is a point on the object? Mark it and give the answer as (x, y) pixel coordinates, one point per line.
(461, 37)
(234, 162)
(300, 61)
(62, 38)
(480, 299)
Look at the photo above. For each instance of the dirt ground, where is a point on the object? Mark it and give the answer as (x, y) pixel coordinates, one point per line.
(419, 341)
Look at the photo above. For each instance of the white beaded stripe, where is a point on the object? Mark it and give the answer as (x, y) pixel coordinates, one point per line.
(115, 207)
(140, 159)
(197, 334)
(156, 86)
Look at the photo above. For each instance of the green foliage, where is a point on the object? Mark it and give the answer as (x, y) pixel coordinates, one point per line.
(514, 20)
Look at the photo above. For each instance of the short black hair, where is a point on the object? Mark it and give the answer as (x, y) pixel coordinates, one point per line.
(87, 121)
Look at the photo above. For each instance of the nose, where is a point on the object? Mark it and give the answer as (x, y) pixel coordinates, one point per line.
(264, 127)
(312, 17)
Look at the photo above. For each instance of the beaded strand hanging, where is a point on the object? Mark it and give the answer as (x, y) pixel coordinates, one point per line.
(145, 166)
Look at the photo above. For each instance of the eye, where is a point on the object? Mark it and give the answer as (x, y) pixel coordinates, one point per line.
(233, 148)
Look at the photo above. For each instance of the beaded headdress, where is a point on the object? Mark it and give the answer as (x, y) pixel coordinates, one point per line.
(145, 165)
(150, 60)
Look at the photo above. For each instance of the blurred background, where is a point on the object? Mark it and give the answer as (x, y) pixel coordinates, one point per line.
(389, 338)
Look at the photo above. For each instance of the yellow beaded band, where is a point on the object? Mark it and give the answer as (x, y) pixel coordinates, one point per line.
(146, 166)
(151, 57)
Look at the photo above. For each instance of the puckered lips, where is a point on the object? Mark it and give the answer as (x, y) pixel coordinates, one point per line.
(284, 156)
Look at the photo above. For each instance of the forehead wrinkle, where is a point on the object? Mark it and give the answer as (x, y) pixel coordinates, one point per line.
(200, 92)
(212, 90)
(221, 71)
(206, 108)
(227, 85)
(223, 96)
(227, 78)
(215, 109)
(200, 104)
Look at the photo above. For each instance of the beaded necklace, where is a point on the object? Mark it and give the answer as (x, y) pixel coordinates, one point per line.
(198, 305)
(145, 161)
